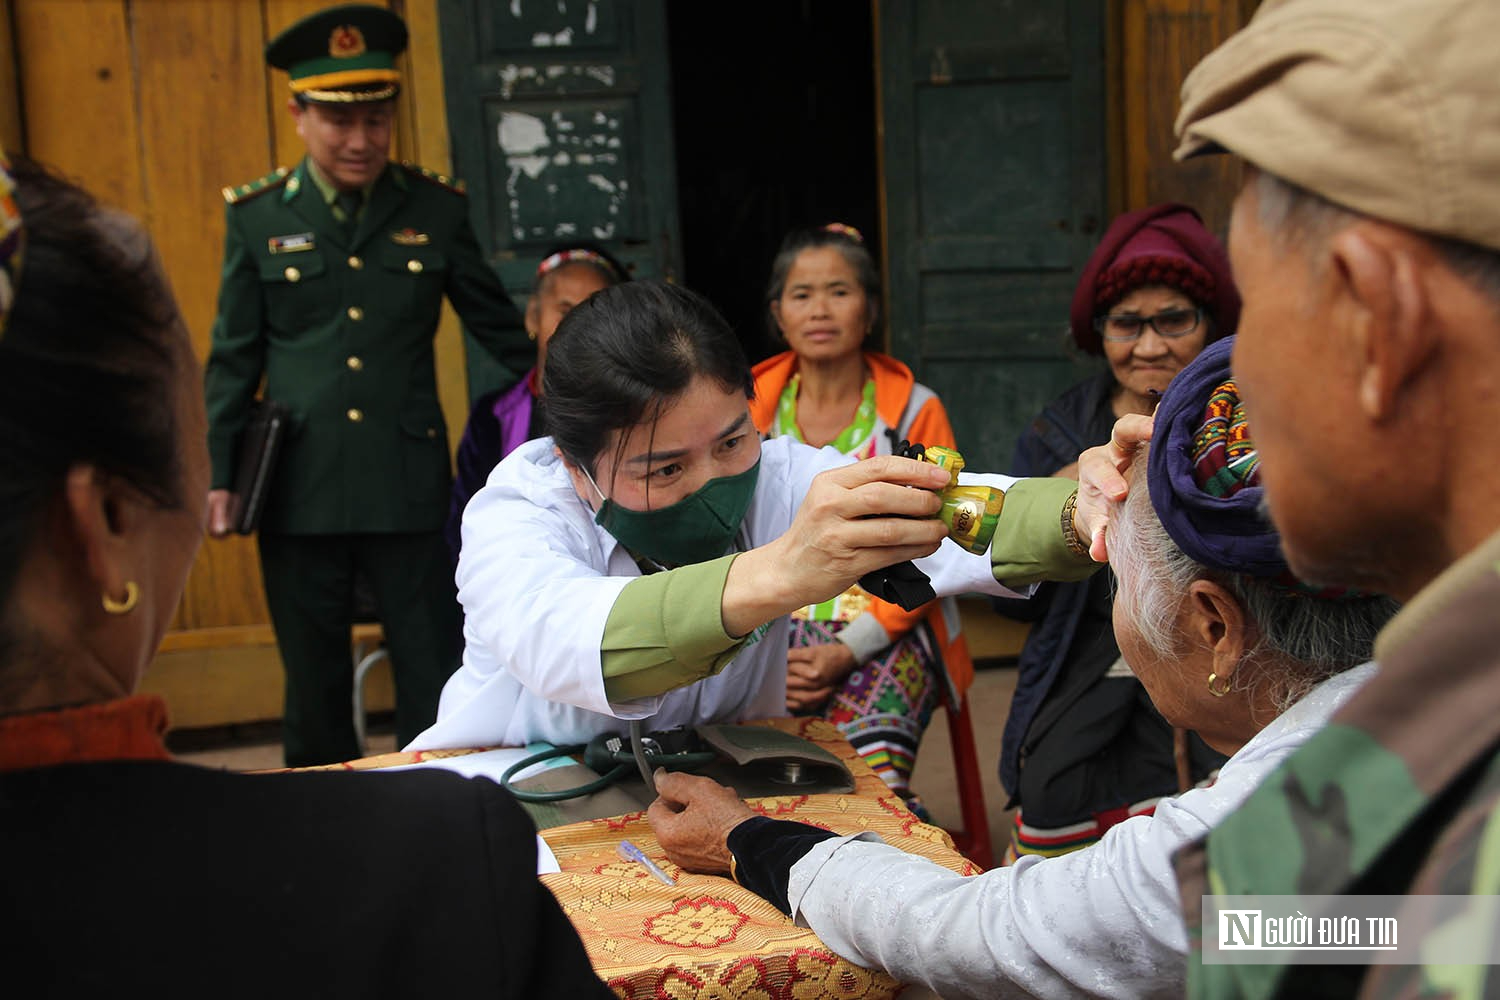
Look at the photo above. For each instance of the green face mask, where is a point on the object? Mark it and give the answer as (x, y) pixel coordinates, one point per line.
(699, 527)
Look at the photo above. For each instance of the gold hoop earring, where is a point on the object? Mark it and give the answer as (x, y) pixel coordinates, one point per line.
(1217, 692)
(126, 605)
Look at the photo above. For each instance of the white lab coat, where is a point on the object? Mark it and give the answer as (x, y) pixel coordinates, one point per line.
(537, 579)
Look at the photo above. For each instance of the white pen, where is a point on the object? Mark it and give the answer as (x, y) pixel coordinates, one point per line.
(630, 852)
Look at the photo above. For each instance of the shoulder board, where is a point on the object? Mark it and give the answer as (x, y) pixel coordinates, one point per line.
(441, 180)
(270, 182)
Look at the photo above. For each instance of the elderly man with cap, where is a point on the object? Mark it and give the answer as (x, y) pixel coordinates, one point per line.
(1366, 241)
(334, 274)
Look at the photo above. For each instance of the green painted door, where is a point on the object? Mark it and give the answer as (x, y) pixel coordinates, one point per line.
(993, 115)
(560, 119)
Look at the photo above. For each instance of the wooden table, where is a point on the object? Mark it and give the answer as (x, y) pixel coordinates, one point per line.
(706, 938)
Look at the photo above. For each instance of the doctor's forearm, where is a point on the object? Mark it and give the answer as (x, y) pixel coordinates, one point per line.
(666, 630)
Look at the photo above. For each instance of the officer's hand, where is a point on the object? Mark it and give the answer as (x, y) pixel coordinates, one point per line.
(1101, 479)
(222, 506)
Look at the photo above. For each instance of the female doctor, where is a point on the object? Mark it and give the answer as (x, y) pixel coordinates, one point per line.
(640, 563)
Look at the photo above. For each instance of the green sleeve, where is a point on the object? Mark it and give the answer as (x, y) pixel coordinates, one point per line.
(237, 353)
(1029, 546)
(666, 630)
(480, 301)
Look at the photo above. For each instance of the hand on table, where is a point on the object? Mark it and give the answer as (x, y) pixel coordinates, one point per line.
(853, 520)
(692, 817)
(1101, 480)
(813, 672)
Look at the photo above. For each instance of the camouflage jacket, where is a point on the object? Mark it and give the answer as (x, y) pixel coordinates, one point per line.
(1398, 795)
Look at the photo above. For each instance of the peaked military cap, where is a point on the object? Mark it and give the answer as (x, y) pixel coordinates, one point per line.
(342, 55)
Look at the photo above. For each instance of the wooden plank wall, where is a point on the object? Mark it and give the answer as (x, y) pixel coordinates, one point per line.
(155, 105)
(1158, 43)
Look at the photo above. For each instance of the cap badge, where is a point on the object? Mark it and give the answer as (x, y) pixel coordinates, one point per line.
(346, 42)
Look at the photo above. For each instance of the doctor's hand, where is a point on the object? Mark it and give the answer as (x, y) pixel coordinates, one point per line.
(692, 817)
(1101, 480)
(854, 519)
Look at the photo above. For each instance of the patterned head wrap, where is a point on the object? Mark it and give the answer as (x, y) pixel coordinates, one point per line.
(1162, 245)
(12, 243)
(579, 255)
(845, 230)
(1204, 476)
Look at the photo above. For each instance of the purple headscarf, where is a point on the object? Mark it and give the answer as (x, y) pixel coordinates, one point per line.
(1225, 532)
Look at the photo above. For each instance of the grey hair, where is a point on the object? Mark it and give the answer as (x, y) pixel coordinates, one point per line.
(1298, 641)
(1293, 215)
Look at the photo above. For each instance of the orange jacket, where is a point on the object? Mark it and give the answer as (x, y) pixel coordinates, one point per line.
(915, 413)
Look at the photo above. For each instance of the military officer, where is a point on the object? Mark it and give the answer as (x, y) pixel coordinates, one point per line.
(334, 273)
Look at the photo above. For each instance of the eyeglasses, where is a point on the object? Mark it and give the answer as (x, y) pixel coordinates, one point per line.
(1170, 323)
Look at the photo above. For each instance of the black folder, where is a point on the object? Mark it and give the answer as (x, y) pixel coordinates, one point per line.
(260, 443)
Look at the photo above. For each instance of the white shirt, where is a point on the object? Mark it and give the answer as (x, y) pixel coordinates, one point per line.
(1105, 921)
(537, 579)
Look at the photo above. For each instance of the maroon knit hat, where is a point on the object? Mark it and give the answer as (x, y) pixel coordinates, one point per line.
(1162, 245)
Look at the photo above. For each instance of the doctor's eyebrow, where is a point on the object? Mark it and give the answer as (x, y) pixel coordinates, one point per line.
(651, 457)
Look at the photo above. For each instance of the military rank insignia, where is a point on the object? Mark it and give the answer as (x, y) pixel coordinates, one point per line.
(410, 238)
(295, 243)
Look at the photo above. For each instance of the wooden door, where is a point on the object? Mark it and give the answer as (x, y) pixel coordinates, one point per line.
(993, 154)
(560, 120)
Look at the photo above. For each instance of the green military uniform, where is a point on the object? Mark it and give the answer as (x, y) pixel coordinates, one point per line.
(336, 309)
(341, 326)
(1399, 796)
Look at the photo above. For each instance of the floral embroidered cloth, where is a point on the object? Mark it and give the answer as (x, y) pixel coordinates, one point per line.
(706, 938)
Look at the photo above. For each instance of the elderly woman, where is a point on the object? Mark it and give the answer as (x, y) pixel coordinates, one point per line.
(128, 872)
(1225, 641)
(1083, 748)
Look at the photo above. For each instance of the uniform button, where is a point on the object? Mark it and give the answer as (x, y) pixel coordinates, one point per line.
(355, 416)
(414, 266)
(354, 363)
(432, 432)
(356, 313)
(356, 263)
(293, 275)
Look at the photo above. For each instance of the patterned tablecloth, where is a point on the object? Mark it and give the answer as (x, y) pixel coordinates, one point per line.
(706, 938)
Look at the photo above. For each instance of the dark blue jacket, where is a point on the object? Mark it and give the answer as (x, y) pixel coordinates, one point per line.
(1077, 420)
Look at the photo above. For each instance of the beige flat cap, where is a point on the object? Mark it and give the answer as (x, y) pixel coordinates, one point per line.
(1387, 107)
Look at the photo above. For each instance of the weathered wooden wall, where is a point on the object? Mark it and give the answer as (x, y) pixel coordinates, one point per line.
(1157, 42)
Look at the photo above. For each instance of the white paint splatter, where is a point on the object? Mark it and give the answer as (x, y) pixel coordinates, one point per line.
(591, 19)
(602, 183)
(567, 228)
(521, 134)
(515, 9)
(561, 159)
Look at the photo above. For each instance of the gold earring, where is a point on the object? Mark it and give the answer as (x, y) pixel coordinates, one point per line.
(126, 605)
(1217, 692)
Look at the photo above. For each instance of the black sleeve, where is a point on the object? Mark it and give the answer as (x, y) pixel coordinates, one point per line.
(764, 852)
